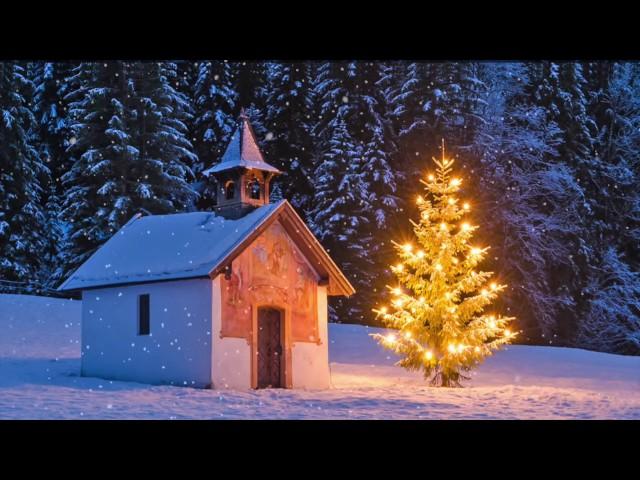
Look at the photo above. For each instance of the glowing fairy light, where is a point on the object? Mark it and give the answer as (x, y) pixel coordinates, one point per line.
(436, 305)
(398, 302)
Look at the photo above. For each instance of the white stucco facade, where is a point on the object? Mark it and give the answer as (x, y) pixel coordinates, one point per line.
(177, 350)
(184, 346)
(231, 357)
(310, 361)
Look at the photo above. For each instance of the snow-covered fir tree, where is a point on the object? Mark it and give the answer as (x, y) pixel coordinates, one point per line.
(339, 218)
(182, 75)
(428, 102)
(531, 201)
(248, 79)
(612, 322)
(216, 108)
(436, 100)
(51, 84)
(129, 151)
(365, 112)
(186, 76)
(611, 170)
(619, 144)
(287, 121)
(23, 236)
(612, 318)
(157, 113)
(557, 89)
(347, 94)
(97, 193)
(438, 309)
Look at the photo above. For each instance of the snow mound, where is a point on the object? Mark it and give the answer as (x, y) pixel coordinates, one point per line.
(40, 364)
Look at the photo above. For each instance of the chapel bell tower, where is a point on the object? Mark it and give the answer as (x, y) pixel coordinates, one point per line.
(242, 175)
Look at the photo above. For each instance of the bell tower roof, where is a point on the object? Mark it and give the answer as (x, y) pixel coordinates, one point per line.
(242, 178)
(242, 151)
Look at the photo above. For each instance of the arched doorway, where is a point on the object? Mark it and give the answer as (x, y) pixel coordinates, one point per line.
(270, 348)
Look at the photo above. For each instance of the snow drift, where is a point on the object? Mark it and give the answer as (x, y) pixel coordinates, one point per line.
(40, 364)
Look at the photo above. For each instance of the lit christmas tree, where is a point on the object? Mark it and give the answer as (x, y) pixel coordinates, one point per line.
(439, 303)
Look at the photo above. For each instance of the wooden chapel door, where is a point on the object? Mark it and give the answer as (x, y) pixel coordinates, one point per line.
(270, 348)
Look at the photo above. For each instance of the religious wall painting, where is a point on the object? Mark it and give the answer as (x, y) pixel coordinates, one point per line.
(304, 325)
(271, 271)
(236, 302)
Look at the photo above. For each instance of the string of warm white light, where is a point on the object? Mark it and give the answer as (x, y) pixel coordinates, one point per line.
(437, 306)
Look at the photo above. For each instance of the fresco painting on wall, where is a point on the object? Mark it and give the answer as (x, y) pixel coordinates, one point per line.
(271, 271)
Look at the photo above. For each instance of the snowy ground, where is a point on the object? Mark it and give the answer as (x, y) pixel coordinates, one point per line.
(39, 365)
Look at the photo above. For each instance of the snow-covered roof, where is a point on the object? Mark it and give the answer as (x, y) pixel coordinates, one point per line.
(242, 151)
(165, 247)
(192, 245)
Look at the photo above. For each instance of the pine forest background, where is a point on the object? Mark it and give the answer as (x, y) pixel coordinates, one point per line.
(548, 153)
